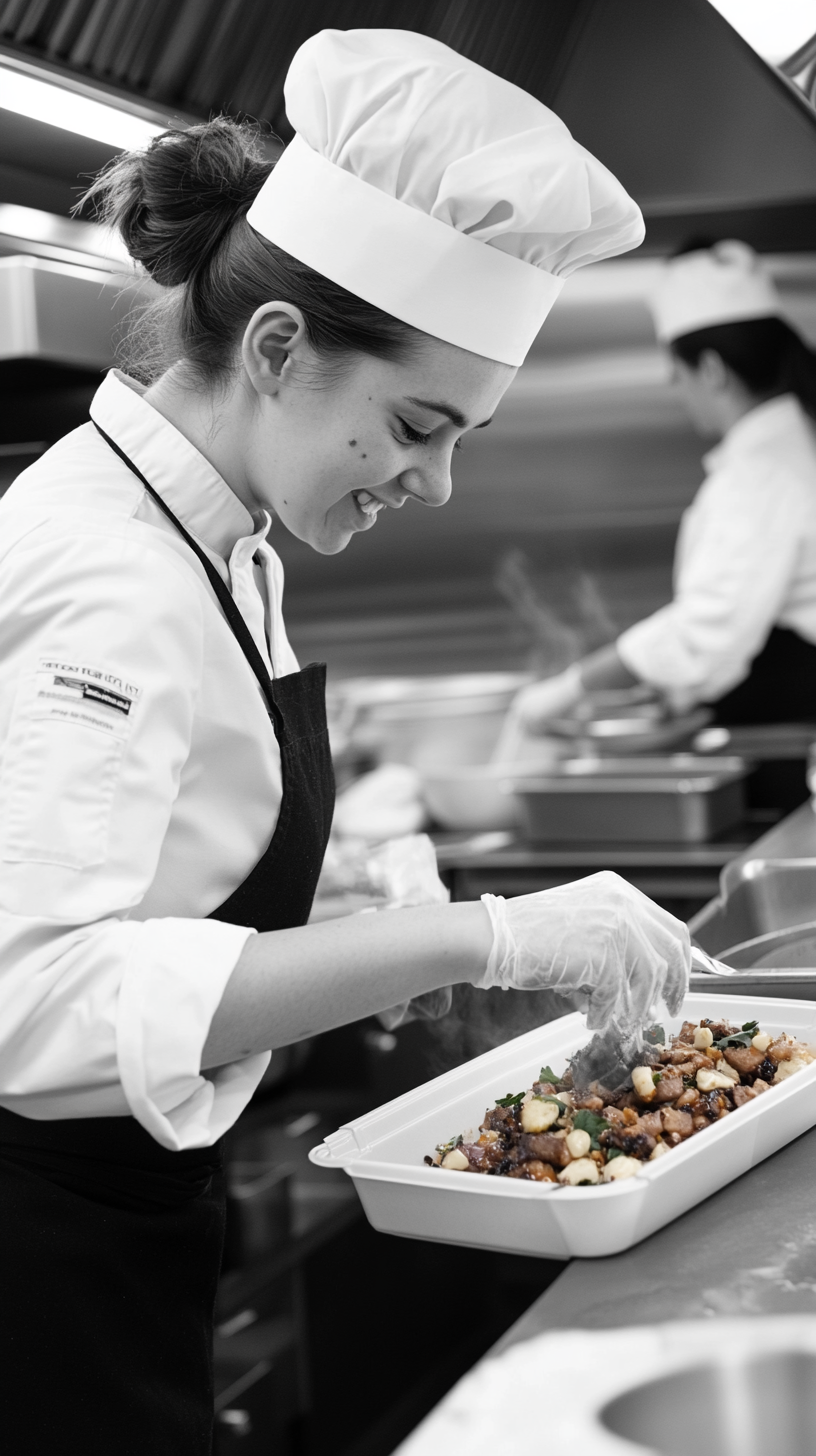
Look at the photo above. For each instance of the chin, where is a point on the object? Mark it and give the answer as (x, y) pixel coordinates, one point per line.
(331, 545)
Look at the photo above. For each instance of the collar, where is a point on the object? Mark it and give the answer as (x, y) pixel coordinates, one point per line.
(181, 475)
(764, 425)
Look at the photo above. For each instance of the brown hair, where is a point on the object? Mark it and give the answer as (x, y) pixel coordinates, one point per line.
(181, 209)
(765, 353)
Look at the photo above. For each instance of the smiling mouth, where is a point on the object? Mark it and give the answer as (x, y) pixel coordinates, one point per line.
(367, 503)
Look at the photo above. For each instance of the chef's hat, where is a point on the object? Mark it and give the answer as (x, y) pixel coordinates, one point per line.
(436, 191)
(717, 285)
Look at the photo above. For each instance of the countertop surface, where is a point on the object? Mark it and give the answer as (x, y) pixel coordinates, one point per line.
(748, 1250)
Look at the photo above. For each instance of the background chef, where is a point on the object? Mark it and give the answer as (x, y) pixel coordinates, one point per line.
(740, 631)
(329, 328)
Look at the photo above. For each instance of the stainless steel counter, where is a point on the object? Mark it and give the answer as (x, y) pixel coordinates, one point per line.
(748, 1250)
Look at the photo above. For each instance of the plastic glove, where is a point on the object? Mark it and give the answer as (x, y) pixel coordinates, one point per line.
(405, 870)
(599, 940)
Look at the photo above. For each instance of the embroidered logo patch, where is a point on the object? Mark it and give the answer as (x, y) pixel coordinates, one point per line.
(75, 692)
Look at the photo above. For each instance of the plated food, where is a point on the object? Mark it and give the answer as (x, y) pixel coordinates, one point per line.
(560, 1133)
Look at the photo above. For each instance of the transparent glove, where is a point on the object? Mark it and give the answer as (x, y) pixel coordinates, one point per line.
(405, 871)
(599, 940)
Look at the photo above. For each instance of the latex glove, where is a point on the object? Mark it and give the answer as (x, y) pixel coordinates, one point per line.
(534, 707)
(599, 939)
(405, 870)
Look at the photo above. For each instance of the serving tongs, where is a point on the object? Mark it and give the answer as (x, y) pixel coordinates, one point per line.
(706, 965)
(609, 1057)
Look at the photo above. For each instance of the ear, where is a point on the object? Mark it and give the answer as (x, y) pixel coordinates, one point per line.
(274, 335)
(713, 371)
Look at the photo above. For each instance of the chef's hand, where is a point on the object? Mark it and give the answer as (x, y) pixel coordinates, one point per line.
(532, 710)
(599, 939)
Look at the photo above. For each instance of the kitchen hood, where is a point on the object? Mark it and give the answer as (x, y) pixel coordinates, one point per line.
(710, 138)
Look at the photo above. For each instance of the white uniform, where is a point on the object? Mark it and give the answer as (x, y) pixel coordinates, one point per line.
(745, 561)
(140, 778)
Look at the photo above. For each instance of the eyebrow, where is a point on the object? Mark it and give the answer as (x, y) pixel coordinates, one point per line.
(438, 406)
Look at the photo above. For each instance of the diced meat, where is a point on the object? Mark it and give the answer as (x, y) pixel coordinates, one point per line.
(613, 1116)
(679, 1054)
(669, 1087)
(589, 1101)
(502, 1120)
(686, 1033)
(781, 1051)
(744, 1059)
(743, 1095)
(687, 1098)
(535, 1170)
(761, 1086)
(676, 1121)
(719, 1029)
(634, 1145)
(630, 1117)
(543, 1147)
(650, 1122)
(477, 1157)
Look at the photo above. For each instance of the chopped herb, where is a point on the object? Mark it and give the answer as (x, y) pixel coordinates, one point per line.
(690, 1081)
(751, 1026)
(548, 1075)
(654, 1035)
(454, 1142)
(593, 1124)
(513, 1099)
(657, 1077)
(613, 1153)
(736, 1039)
(548, 1097)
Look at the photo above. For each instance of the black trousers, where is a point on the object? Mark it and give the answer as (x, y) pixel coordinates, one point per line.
(780, 688)
(110, 1250)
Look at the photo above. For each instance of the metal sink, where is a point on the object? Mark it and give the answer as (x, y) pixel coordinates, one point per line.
(746, 1407)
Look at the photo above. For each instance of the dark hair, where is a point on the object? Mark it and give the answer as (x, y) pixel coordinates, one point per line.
(181, 208)
(765, 353)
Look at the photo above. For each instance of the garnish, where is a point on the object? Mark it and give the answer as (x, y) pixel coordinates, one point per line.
(548, 1075)
(548, 1097)
(593, 1124)
(454, 1142)
(738, 1038)
(657, 1077)
(613, 1153)
(513, 1099)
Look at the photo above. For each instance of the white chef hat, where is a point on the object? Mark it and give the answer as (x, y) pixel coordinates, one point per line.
(435, 190)
(717, 285)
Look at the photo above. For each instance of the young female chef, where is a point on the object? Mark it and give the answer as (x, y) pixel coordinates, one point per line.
(332, 327)
(740, 633)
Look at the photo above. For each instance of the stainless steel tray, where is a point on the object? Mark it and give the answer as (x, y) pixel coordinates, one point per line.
(680, 797)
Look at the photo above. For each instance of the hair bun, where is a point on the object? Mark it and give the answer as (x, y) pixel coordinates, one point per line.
(175, 202)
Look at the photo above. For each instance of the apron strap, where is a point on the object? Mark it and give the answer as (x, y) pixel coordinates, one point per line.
(236, 622)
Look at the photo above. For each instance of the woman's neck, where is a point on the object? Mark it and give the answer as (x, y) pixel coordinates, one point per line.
(217, 428)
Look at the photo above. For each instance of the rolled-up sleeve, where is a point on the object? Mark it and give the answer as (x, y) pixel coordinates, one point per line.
(732, 578)
(102, 1014)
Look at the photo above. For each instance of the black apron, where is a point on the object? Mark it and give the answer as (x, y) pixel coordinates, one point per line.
(780, 687)
(110, 1245)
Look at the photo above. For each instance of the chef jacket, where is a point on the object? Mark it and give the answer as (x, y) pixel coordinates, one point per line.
(745, 560)
(140, 778)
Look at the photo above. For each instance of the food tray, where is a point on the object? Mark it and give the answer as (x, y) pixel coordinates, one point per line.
(651, 800)
(383, 1151)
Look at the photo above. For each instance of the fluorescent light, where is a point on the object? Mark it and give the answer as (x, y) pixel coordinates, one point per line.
(58, 106)
(775, 30)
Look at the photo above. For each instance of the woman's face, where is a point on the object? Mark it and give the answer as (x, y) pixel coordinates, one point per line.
(329, 451)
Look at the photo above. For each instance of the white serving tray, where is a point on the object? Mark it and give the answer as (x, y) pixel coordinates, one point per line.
(383, 1151)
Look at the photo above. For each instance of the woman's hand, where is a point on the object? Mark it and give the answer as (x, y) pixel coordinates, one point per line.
(533, 708)
(599, 939)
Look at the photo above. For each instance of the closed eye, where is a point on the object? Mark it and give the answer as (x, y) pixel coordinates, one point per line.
(414, 436)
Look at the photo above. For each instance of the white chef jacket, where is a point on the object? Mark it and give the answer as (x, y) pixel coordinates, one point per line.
(140, 777)
(745, 560)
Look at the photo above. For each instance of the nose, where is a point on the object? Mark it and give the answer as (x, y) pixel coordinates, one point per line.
(430, 484)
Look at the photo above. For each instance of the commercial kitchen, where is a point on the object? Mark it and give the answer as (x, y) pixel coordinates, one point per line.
(598, 655)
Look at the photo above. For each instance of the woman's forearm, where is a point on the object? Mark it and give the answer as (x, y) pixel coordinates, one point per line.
(290, 984)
